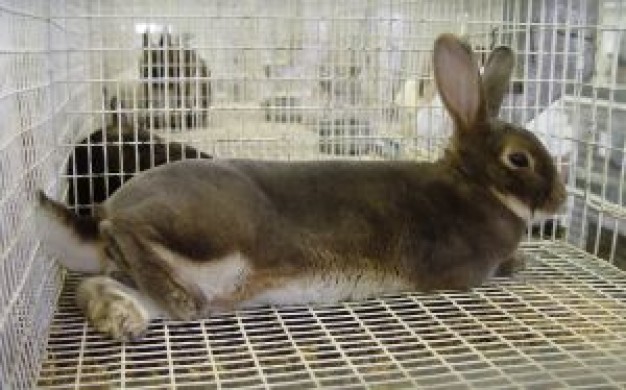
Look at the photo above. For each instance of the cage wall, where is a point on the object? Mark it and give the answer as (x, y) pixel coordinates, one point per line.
(33, 65)
(281, 80)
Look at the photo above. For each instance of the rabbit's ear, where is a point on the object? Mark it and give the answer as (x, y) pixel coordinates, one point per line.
(459, 82)
(496, 77)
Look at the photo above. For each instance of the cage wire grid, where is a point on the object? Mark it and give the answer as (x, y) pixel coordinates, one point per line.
(320, 79)
(561, 323)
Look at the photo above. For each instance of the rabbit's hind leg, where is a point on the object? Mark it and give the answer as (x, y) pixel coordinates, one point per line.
(154, 275)
(114, 308)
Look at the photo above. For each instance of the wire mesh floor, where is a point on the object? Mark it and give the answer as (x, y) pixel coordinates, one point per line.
(561, 323)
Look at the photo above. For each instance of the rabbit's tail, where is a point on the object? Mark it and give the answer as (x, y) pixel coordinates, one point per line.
(73, 239)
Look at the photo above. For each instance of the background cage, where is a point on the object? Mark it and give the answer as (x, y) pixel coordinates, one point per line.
(304, 79)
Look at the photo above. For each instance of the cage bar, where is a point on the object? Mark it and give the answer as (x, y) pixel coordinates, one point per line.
(93, 92)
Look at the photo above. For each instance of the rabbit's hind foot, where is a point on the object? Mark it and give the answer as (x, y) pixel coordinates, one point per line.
(113, 308)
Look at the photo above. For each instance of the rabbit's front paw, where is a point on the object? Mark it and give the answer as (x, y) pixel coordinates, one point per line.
(112, 309)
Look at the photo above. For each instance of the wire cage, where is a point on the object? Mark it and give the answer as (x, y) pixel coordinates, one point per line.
(92, 92)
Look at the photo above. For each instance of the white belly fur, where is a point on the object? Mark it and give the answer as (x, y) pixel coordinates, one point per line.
(317, 289)
(218, 279)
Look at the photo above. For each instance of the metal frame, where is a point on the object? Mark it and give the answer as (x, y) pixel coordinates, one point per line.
(319, 79)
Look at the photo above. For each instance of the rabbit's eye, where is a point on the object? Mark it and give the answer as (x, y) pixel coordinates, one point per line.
(519, 160)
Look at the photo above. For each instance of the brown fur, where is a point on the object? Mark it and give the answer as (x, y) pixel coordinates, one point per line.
(430, 226)
(284, 215)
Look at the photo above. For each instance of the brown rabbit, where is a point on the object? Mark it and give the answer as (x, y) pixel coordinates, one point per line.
(202, 236)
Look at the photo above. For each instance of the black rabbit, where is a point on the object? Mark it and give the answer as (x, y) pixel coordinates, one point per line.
(102, 162)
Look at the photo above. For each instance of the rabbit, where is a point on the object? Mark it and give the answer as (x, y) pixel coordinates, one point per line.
(431, 118)
(176, 79)
(108, 157)
(198, 237)
(551, 125)
(433, 121)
